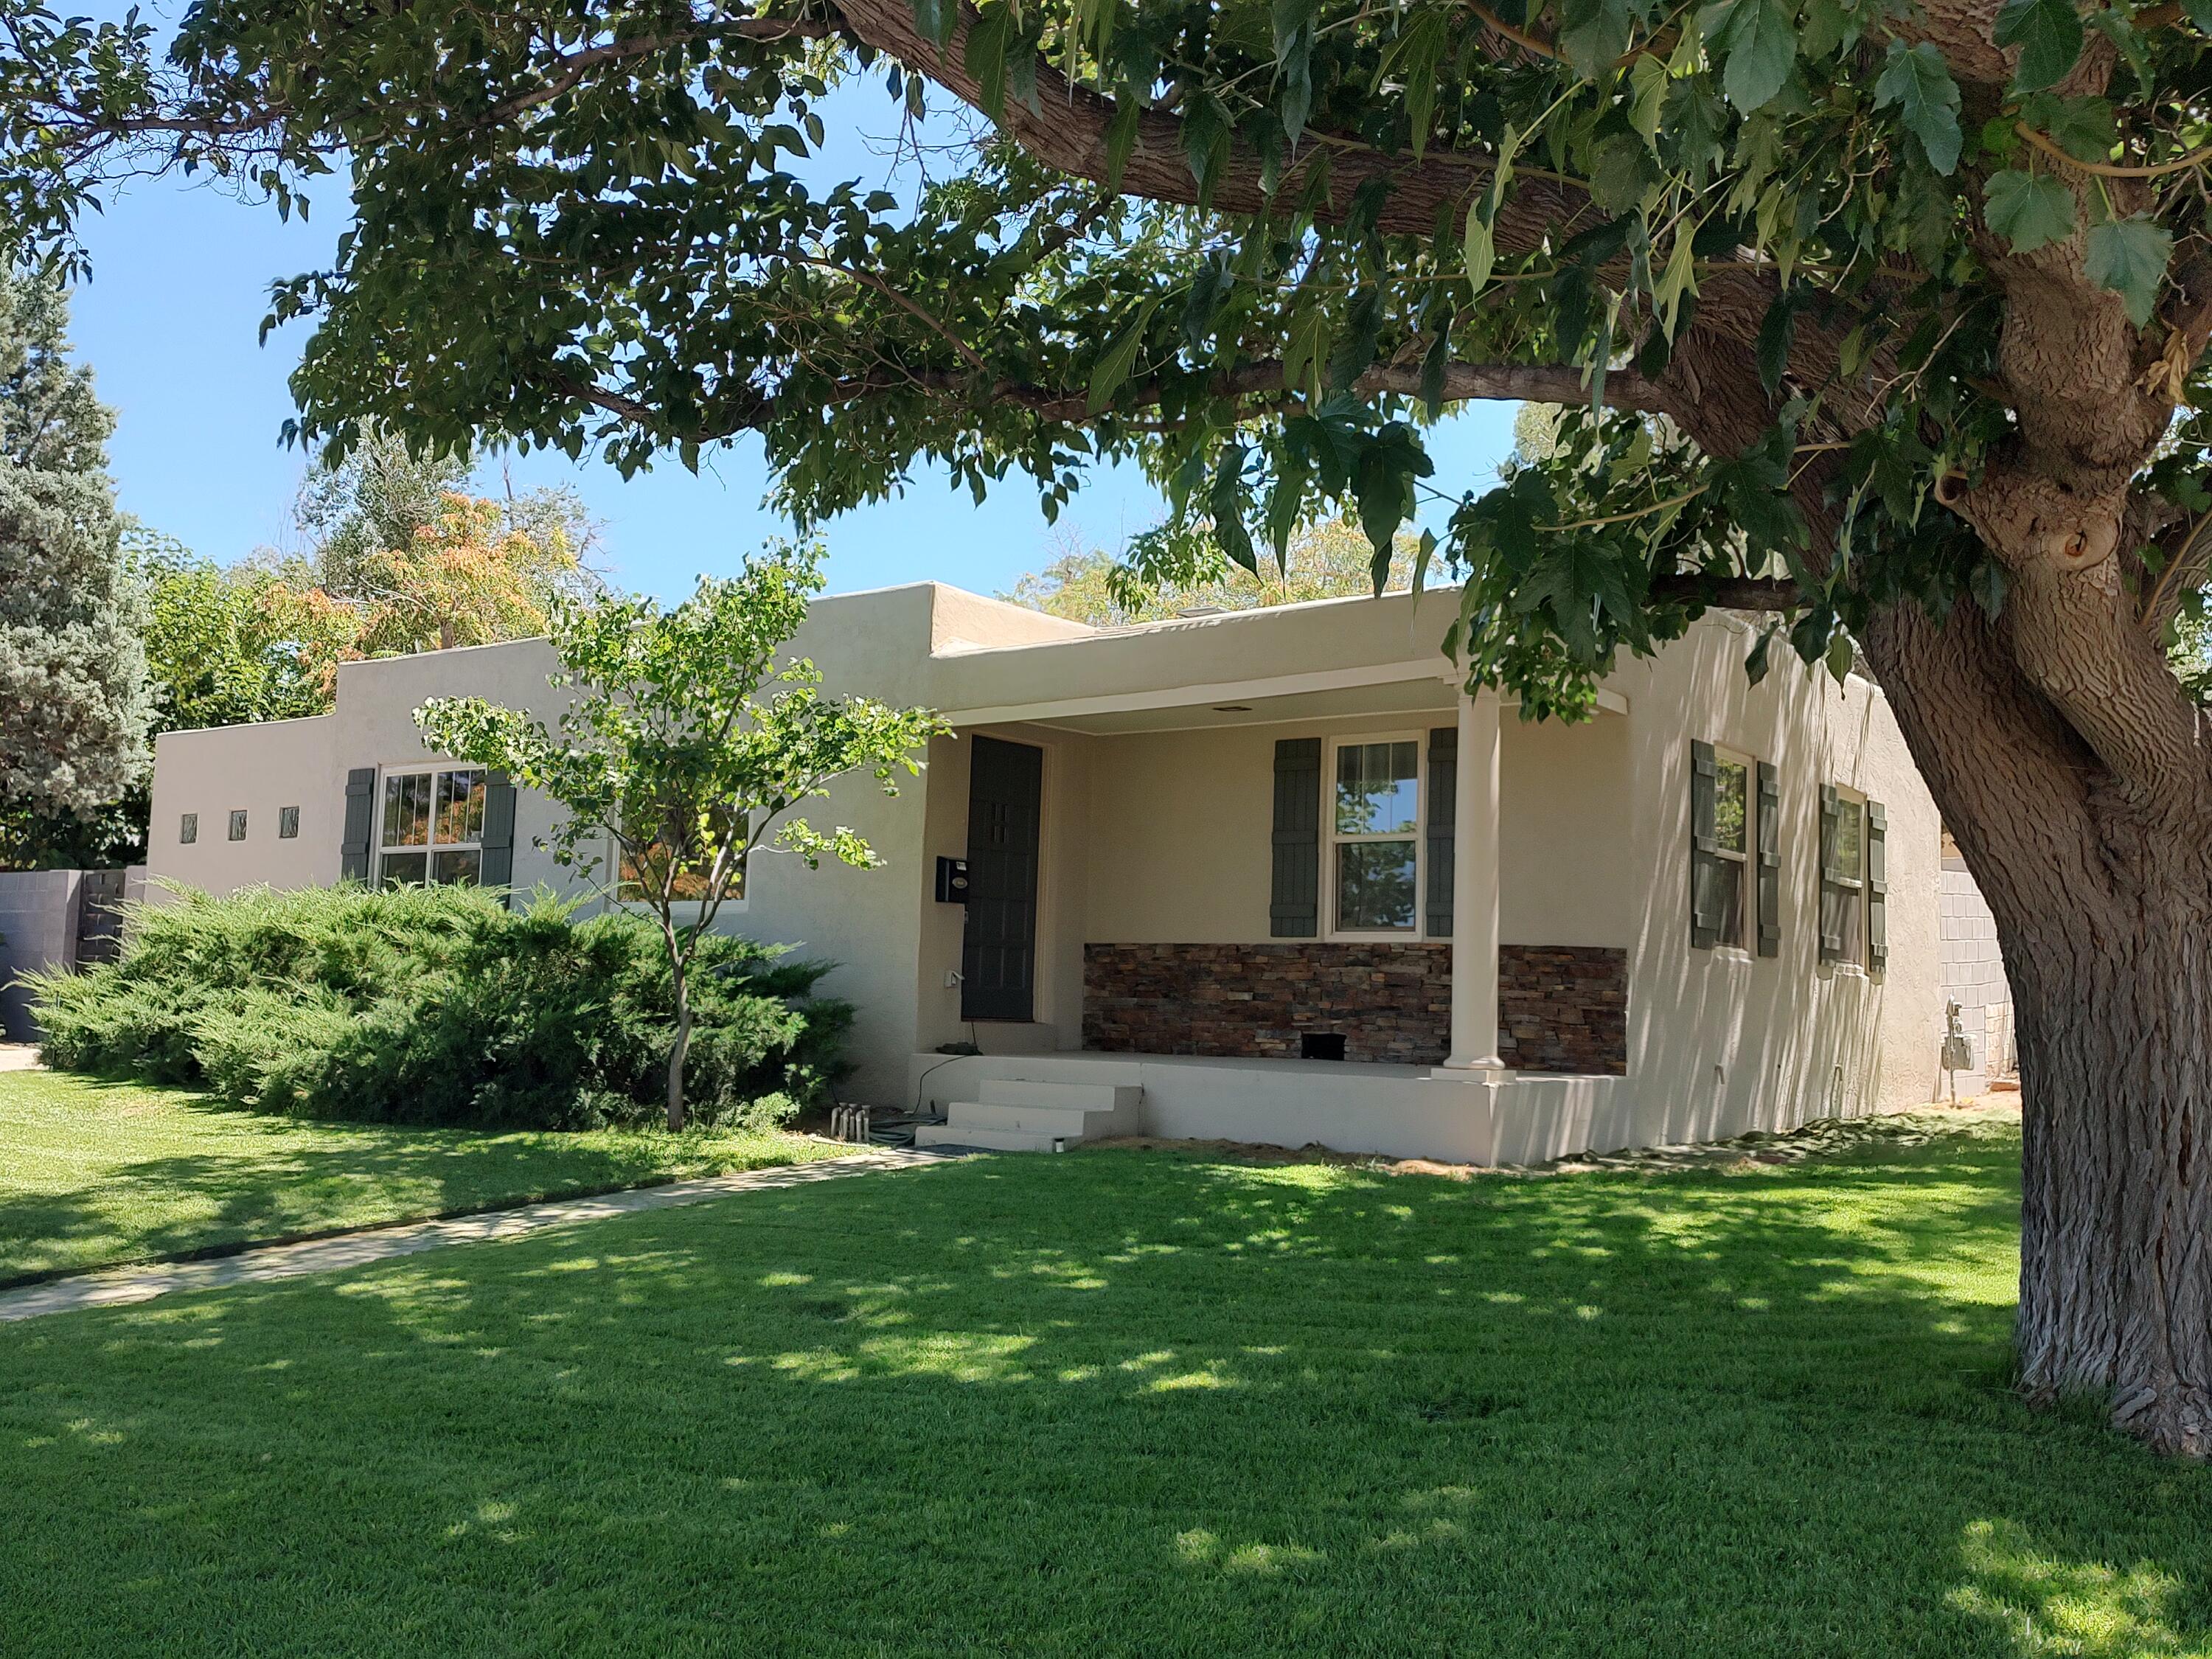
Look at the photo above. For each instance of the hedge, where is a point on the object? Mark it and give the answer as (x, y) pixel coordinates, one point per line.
(440, 1005)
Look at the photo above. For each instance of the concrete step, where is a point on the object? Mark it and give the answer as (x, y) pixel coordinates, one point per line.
(1039, 1119)
(1067, 1097)
(997, 1141)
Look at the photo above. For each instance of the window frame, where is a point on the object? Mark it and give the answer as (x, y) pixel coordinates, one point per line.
(188, 829)
(1331, 878)
(1858, 954)
(1747, 860)
(237, 822)
(288, 824)
(380, 849)
(736, 902)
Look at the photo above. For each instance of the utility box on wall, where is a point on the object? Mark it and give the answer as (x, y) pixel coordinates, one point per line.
(952, 881)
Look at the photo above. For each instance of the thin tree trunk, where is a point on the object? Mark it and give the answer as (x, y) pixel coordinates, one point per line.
(676, 1053)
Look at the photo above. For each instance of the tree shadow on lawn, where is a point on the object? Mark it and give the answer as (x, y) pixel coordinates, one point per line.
(1120, 1403)
(273, 1178)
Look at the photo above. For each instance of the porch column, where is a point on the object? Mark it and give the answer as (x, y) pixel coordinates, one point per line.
(1474, 891)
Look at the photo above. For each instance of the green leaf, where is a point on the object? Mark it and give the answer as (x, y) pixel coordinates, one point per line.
(2200, 13)
(1917, 81)
(1840, 656)
(1647, 79)
(1121, 358)
(2049, 35)
(2029, 210)
(1480, 249)
(1593, 34)
(2129, 257)
(984, 58)
(1226, 505)
(1355, 345)
(1759, 40)
(2082, 127)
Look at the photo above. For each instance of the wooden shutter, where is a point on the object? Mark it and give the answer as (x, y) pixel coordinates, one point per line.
(360, 820)
(498, 865)
(1832, 940)
(1705, 850)
(1443, 795)
(1294, 907)
(1770, 860)
(1877, 886)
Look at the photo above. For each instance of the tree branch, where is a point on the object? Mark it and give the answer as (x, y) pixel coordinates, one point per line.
(1260, 384)
(1067, 130)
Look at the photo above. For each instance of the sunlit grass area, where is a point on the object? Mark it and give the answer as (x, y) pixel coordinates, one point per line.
(1119, 1403)
(94, 1173)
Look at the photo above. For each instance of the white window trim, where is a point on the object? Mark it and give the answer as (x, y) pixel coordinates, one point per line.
(1747, 906)
(1331, 841)
(1845, 795)
(379, 848)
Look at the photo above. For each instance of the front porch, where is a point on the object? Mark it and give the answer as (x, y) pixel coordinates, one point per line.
(1349, 906)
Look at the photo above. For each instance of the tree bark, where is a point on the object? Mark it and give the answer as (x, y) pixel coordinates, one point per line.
(676, 1053)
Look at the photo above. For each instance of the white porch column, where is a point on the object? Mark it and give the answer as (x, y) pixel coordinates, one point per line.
(1474, 889)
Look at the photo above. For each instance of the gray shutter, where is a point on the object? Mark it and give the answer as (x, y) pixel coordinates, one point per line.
(1770, 860)
(1294, 907)
(497, 869)
(359, 819)
(1877, 886)
(1443, 796)
(1705, 850)
(1832, 940)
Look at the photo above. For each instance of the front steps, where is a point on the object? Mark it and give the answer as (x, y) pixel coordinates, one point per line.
(1014, 1116)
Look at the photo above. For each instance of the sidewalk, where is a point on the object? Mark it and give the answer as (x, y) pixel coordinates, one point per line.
(119, 1286)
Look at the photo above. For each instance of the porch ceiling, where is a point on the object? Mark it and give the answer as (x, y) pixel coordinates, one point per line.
(1426, 697)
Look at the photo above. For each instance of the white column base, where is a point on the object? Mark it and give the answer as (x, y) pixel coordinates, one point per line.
(1488, 1069)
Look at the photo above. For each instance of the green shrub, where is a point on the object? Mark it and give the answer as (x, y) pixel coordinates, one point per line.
(440, 1006)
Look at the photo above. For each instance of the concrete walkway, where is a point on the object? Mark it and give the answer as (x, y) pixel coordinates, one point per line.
(116, 1287)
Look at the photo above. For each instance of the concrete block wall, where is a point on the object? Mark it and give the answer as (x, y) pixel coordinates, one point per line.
(1973, 974)
(38, 931)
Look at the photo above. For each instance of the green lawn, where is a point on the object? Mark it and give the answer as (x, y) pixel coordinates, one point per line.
(1118, 1403)
(93, 1173)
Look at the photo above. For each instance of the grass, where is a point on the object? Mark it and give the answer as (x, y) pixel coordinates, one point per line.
(94, 1173)
(1120, 1403)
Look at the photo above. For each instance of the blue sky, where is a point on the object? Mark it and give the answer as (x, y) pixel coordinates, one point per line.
(169, 321)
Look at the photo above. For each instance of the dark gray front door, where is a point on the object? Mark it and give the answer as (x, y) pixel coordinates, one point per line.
(998, 955)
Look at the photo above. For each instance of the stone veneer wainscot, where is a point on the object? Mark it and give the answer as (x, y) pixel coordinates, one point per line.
(1561, 1007)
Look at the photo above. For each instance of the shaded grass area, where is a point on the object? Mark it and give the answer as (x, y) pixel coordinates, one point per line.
(1119, 1403)
(96, 1173)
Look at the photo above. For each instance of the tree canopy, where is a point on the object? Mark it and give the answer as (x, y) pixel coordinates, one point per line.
(1328, 561)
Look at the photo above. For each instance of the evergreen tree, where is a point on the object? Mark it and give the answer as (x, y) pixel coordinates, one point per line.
(74, 705)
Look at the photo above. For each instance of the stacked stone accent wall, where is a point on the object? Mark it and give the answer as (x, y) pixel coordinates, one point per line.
(1561, 1008)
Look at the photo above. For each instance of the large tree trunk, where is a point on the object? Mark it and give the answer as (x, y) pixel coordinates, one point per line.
(2116, 1211)
(2103, 903)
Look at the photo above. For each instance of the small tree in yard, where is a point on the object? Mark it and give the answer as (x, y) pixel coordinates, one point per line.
(665, 752)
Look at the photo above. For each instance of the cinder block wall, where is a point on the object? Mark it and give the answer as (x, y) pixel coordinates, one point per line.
(38, 930)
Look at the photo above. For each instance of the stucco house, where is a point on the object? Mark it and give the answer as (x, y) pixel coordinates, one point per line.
(1265, 875)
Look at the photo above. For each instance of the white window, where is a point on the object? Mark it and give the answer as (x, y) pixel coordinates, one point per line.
(431, 829)
(1732, 847)
(1843, 886)
(1375, 834)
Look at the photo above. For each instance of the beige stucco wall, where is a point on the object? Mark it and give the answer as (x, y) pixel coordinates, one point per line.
(1165, 836)
(260, 769)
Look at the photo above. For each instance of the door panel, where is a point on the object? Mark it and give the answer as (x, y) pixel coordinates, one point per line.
(998, 955)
